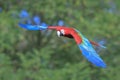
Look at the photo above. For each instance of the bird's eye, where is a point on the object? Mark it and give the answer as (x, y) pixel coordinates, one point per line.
(58, 33)
(62, 31)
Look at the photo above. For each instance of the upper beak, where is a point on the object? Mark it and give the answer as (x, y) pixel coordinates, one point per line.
(58, 33)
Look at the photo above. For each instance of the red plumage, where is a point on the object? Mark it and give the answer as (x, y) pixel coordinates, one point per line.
(69, 32)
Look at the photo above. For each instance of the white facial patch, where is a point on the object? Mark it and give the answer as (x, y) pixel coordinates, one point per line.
(58, 33)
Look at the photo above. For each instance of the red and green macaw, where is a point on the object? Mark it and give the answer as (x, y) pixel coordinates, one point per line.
(83, 43)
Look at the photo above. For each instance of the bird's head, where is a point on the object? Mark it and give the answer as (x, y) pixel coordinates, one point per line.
(60, 33)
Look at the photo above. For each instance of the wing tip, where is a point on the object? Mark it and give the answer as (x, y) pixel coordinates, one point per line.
(97, 61)
(93, 58)
(22, 25)
(103, 65)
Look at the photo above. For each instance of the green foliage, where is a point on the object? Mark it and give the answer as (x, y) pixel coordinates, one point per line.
(34, 55)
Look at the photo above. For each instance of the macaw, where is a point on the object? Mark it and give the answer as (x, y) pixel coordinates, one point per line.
(83, 43)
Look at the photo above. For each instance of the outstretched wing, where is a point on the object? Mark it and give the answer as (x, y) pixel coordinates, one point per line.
(88, 51)
(33, 27)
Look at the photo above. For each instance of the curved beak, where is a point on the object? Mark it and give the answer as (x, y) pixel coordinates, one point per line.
(58, 33)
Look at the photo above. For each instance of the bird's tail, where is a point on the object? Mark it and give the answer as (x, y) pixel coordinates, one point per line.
(99, 44)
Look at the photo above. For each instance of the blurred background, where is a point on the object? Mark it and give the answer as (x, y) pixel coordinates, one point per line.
(41, 55)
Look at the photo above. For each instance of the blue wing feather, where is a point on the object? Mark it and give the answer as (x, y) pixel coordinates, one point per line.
(32, 27)
(89, 52)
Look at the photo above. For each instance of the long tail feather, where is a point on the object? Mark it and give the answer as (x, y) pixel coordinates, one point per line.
(32, 27)
(101, 43)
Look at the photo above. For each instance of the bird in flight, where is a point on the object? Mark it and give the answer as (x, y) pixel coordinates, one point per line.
(83, 43)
